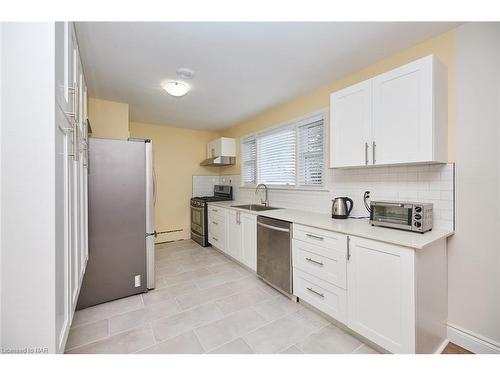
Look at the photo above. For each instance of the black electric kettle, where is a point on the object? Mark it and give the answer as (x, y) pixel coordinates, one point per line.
(339, 207)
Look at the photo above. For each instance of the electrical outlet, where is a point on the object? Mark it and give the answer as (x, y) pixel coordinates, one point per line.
(137, 281)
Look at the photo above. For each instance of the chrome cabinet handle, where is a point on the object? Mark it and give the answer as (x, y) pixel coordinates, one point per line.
(314, 261)
(348, 248)
(73, 92)
(317, 293)
(373, 151)
(215, 238)
(366, 153)
(215, 223)
(319, 238)
(214, 210)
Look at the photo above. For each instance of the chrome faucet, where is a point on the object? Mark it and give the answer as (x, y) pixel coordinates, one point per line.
(265, 202)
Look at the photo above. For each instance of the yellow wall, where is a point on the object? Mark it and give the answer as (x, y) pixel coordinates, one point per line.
(441, 46)
(177, 156)
(108, 119)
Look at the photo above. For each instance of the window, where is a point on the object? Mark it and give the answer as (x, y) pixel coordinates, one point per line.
(249, 161)
(311, 154)
(276, 157)
(290, 156)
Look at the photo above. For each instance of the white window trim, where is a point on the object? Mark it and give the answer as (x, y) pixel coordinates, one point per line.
(296, 123)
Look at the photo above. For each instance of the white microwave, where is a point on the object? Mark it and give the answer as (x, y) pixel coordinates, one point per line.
(412, 216)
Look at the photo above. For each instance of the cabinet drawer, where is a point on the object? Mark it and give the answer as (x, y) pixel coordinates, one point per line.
(216, 241)
(216, 210)
(325, 297)
(326, 264)
(216, 225)
(320, 237)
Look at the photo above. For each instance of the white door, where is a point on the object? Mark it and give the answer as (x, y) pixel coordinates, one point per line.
(233, 234)
(65, 171)
(402, 114)
(380, 294)
(249, 240)
(350, 126)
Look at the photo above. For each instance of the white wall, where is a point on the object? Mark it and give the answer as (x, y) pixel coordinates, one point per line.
(474, 251)
(27, 186)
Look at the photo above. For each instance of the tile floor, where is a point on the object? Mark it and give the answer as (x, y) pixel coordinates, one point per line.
(206, 303)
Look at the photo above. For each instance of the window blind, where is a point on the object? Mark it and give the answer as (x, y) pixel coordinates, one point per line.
(276, 157)
(311, 153)
(249, 159)
(291, 155)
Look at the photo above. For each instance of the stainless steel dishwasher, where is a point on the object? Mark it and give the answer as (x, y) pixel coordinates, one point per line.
(274, 253)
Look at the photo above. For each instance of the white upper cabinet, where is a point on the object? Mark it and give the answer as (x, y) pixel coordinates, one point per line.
(221, 147)
(351, 119)
(399, 117)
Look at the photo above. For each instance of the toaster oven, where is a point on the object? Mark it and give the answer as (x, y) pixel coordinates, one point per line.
(412, 216)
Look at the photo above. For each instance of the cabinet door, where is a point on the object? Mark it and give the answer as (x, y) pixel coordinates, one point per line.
(350, 126)
(75, 207)
(402, 114)
(63, 229)
(380, 294)
(249, 240)
(63, 65)
(233, 234)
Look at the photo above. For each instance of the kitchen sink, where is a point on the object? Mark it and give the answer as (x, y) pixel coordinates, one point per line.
(255, 207)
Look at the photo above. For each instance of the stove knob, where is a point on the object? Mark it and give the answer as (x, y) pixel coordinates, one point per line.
(418, 216)
(418, 209)
(417, 224)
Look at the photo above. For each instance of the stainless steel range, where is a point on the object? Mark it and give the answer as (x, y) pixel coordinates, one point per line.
(199, 212)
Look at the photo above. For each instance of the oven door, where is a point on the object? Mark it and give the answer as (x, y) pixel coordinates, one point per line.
(395, 215)
(198, 220)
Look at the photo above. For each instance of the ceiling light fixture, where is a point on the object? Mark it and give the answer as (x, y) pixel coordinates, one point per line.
(175, 88)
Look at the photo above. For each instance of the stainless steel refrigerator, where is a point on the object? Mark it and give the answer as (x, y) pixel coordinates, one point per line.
(121, 221)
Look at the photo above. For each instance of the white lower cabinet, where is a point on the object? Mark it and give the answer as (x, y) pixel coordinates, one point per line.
(326, 297)
(217, 228)
(319, 269)
(233, 238)
(394, 296)
(248, 223)
(238, 239)
(380, 294)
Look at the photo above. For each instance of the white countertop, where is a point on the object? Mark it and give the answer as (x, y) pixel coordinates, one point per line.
(355, 227)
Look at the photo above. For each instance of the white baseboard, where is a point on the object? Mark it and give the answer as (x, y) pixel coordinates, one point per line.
(472, 341)
(441, 347)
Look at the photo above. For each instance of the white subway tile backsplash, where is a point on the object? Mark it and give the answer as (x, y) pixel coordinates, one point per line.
(204, 185)
(423, 183)
(447, 195)
(429, 194)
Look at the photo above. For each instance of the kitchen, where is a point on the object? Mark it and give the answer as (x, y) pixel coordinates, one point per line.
(332, 213)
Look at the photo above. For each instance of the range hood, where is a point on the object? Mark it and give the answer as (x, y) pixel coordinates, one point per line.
(219, 161)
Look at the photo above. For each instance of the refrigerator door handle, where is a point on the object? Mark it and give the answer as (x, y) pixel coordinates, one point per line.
(155, 233)
(154, 187)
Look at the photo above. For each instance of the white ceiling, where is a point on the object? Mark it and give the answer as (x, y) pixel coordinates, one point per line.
(241, 69)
